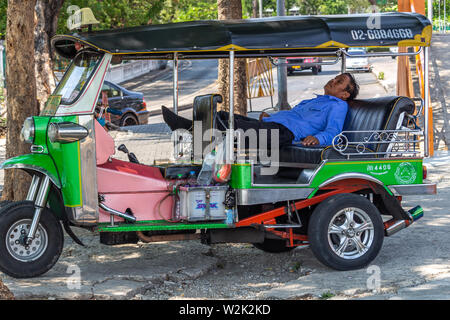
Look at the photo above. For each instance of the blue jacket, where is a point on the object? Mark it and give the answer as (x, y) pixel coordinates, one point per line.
(322, 117)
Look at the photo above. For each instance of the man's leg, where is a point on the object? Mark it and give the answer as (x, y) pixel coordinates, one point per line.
(175, 121)
(240, 122)
(223, 117)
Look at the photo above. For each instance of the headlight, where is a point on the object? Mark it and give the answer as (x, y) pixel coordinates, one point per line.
(27, 133)
(66, 132)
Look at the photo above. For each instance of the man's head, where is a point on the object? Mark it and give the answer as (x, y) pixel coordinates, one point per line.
(343, 86)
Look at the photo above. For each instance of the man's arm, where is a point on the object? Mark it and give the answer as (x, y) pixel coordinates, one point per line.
(335, 123)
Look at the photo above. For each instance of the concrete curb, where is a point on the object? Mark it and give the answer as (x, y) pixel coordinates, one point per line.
(389, 86)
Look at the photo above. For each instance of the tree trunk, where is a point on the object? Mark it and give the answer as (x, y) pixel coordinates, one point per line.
(255, 8)
(46, 23)
(21, 93)
(232, 9)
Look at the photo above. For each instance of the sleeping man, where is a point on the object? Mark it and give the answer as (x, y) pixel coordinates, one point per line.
(313, 122)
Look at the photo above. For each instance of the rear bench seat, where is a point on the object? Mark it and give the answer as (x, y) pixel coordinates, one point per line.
(375, 114)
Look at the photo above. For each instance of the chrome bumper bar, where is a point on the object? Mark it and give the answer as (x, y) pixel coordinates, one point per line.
(413, 189)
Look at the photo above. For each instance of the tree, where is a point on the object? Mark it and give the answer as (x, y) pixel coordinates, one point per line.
(232, 9)
(46, 23)
(21, 93)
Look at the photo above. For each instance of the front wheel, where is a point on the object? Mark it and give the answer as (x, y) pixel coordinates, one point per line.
(20, 258)
(346, 232)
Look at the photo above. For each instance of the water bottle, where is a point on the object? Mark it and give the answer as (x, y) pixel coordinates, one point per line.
(230, 217)
(206, 173)
(192, 180)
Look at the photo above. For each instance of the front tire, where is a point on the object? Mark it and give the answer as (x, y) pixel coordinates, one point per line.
(20, 260)
(346, 232)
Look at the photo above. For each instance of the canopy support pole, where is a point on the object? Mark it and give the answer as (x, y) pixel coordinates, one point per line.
(230, 133)
(343, 62)
(426, 98)
(175, 83)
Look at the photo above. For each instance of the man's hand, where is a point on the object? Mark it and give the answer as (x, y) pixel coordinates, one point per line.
(310, 141)
(263, 115)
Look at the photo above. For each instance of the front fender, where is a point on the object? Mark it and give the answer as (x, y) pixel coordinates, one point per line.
(42, 163)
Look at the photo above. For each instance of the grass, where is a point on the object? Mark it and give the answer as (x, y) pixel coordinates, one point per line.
(327, 295)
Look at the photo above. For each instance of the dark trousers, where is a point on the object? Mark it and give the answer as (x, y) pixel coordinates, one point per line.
(245, 123)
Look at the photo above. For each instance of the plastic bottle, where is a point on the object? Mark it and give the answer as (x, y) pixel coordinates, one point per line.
(192, 180)
(230, 216)
(206, 173)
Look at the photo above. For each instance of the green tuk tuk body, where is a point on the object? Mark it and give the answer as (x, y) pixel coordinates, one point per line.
(333, 203)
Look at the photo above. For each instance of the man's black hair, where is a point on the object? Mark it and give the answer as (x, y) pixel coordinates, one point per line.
(353, 87)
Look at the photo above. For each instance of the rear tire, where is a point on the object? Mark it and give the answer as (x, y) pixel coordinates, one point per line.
(315, 70)
(26, 261)
(129, 119)
(346, 232)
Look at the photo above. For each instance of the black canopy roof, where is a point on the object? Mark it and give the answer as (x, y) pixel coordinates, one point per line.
(277, 34)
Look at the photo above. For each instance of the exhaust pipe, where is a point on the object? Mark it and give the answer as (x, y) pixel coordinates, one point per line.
(117, 213)
(393, 226)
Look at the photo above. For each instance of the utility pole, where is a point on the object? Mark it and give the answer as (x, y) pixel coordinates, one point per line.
(282, 70)
(430, 11)
(261, 8)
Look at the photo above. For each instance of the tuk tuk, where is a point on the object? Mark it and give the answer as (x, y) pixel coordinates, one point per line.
(341, 200)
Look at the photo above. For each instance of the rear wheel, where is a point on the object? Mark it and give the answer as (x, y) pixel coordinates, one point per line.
(346, 232)
(129, 120)
(315, 70)
(20, 258)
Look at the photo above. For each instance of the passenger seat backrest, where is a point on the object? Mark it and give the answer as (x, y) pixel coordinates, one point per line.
(374, 115)
(204, 110)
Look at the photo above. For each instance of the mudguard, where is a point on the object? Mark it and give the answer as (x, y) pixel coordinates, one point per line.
(42, 163)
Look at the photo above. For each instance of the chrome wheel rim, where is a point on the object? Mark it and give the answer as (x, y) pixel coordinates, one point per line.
(30, 251)
(350, 233)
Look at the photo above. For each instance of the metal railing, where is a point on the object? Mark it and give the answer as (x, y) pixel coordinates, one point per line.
(403, 142)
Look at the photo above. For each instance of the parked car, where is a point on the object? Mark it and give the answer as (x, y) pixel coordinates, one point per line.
(393, 50)
(295, 64)
(130, 103)
(358, 63)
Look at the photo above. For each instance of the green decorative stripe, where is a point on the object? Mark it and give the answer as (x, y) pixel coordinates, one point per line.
(67, 160)
(388, 171)
(157, 225)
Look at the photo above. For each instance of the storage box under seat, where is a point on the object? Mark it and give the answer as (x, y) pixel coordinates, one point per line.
(202, 203)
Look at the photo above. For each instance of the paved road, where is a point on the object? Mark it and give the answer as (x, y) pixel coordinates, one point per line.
(158, 89)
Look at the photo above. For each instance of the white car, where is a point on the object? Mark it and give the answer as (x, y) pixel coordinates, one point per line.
(393, 50)
(358, 63)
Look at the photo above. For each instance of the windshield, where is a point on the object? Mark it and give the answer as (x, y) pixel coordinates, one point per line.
(74, 80)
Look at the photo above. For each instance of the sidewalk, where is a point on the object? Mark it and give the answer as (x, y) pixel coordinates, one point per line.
(388, 71)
